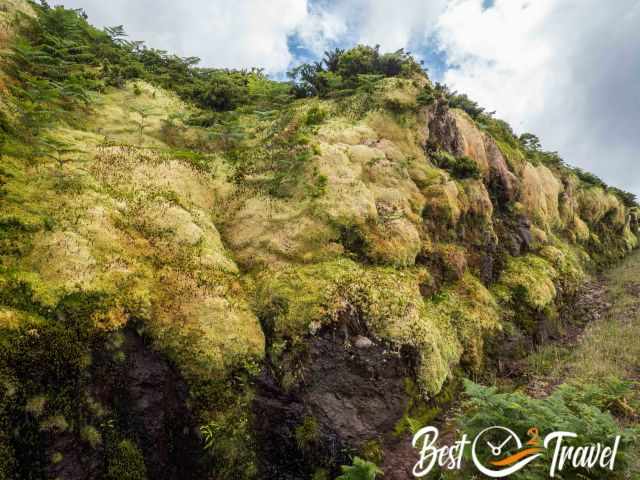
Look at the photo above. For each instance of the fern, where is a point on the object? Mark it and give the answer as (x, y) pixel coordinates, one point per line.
(582, 409)
(360, 470)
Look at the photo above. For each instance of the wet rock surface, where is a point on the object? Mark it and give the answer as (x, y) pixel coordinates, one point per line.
(145, 400)
(354, 390)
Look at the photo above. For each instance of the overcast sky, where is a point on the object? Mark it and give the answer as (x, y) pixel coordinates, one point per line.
(567, 70)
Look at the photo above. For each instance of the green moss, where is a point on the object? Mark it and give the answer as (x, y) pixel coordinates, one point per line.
(419, 411)
(530, 279)
(54, 424)
(373, 451)
(126, 463)
(35, 405)
(297, 301)
(296, 297)
(26, 291)
(473, 314)
(443, 204)
(91, 436)
(307, 433)
(568, 261)
(7, 461)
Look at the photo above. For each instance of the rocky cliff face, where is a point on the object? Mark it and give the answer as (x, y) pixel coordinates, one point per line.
(162, 310)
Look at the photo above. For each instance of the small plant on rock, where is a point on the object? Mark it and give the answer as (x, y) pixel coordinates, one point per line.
(360, 470)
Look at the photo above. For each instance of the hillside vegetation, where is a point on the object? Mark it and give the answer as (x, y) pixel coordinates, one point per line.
(190, 257)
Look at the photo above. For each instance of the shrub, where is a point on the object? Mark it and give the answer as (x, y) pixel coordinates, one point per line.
(360, 470)
(463, 102)
(126, 463)
(91, 436)
(342, 70)
(425, 97)
(573, 408)
(307, 432)
(315, 116)
(460, 168)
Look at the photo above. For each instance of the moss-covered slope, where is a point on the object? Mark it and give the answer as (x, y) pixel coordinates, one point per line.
(230, 243)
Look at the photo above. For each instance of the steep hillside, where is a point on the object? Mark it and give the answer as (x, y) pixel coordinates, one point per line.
(213, 275)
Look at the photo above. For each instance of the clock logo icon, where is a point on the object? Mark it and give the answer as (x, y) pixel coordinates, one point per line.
(498, 451)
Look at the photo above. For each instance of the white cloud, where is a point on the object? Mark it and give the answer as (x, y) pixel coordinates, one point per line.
(234, 34)
(321, 29)
(396, 24)
(563, 69)
(247, 33)
(566, 70)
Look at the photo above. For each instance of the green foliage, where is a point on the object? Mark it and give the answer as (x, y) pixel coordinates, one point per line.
(342, 71)
(50, 354)
(573, 408)
(530, 142)
(373, 451)
(211, 89)
(463, 102)
(425, 97)
(457, 100)
(499, 130)
(307, 432)
(55, 66)
(282, 157)
(126, 463)
(228, 432)
(460, 168)
(315, 116)
(360, 470)
(58, 59)
(628, 199)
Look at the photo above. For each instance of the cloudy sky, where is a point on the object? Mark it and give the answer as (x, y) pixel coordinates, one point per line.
(567, 70)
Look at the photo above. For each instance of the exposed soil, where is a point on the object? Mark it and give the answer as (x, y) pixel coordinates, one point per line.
(353, 388)
(146, 399)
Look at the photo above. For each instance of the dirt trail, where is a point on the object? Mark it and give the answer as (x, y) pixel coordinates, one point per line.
(590, 304)
(600, 337)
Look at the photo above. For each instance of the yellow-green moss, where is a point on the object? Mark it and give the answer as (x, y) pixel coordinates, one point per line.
(300, 300)
(442, 203)
(514, 156)
(569, 261)
(631, 240)
(126, 463)
(529, 278)
(395, 242)
(596, 206)
(539, 195)
(91, 436)
(472, 312)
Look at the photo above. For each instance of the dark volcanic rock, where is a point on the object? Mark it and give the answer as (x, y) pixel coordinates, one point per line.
(146, 398)
(354, 396)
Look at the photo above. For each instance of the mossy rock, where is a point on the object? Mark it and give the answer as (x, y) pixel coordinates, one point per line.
(298, 301)
(126, 463)
(530, 279)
